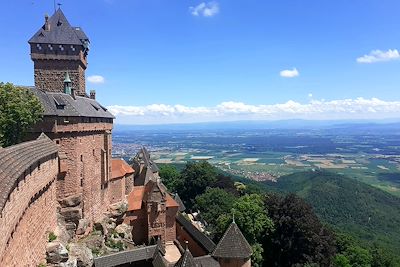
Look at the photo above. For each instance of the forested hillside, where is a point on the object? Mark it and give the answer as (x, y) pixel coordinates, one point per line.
(353, 207)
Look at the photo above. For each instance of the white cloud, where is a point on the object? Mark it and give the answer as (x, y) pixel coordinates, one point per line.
(310, 95)
(380, 56)
(205, 9)
(359, 108)
(290, 73)
(96, 79)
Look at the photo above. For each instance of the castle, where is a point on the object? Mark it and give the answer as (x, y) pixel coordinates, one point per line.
(65, 171)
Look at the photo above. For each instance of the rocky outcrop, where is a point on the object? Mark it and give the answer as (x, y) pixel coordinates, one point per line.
(82, 226)
(124, 231)
(71, 201)
(56, 253)
(72, 214)
(82, 254)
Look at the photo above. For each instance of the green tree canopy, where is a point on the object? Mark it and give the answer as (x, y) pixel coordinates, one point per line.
(196, 177)
(213, 203)
(170, 177)
(19, 111)
(299, 236)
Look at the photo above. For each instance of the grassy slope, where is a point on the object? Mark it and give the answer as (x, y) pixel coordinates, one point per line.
(351, 206)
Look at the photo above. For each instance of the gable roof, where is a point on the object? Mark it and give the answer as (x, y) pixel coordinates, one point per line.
(137, 196)
(64, 105)
(61, 32)
(15, 160)
(119, 168)
(233, 244)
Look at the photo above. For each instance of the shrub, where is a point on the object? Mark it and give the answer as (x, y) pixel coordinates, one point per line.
(52, 237)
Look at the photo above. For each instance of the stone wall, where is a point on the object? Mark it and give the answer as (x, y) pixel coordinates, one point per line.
(86, 157)
(49, 75)
(182, 236)
(29, 216)
(116, 190)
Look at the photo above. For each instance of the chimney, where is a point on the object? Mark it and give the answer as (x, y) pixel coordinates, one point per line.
(73, 93)
(46, 23)
(93, 94)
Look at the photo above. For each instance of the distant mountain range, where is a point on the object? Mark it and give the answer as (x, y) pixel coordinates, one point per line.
(281, 124)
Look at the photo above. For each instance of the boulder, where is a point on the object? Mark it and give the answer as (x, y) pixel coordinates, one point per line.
(56, 252)
(82, 226)
(82, 254)
(71, 201)
(72, 214)
(69, 263)
(124, 231)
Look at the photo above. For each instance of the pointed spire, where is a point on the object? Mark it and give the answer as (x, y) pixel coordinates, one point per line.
(233, 245)
(186, 259)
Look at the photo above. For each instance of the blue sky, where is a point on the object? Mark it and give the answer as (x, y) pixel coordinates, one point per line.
(186, 61)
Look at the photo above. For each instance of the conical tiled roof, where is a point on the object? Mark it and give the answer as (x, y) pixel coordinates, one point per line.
(60, 33)
(233, 244)
(186, 260)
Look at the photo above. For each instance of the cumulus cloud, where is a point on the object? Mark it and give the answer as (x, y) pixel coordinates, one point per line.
(205, 9)
(96, 79)
(359, 108)
(289, 73)
(380, 56)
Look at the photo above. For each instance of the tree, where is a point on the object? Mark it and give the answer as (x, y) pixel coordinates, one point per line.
(170, 177)
(251, 217)
(213, 203)
(196, 177)
(299, 236)
(20, 109)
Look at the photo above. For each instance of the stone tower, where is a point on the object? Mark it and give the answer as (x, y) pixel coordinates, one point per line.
(56, 47)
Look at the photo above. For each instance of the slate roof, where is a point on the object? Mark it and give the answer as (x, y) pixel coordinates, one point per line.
(178, 200)
(204, 241)
(119, 258)
(61, 32)
(147, 160)
(206, 261)
(233, 244)
(158, 260)
(15, 160)
(186, 260)
(64, 105)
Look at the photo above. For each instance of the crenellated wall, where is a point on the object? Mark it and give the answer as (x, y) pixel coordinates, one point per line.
(28, 214)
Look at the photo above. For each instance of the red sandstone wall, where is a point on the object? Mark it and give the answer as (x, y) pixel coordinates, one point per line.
(116, 190)
(28, 217)
(182, 236)
(128, 184)
(170, 231)
(88, 156)
(138, 220)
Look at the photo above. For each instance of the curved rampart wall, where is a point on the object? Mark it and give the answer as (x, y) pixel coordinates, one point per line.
(27, 201)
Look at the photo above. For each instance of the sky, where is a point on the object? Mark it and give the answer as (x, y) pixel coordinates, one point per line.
(180, 61)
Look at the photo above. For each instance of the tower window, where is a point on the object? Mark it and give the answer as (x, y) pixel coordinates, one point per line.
(61, 48)
(50, 47)
(73, 48)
